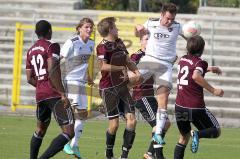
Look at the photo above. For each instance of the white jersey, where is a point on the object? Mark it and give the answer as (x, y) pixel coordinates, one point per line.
(77, 54)
(162, 40)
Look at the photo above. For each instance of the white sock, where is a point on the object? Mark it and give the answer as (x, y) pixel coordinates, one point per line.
(161, 119)
(78, 128)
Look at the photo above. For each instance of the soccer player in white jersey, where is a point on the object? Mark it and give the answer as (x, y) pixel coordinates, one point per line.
(161, 50)
(76, 53)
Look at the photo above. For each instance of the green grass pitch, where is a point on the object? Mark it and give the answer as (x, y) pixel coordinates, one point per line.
(15, 134)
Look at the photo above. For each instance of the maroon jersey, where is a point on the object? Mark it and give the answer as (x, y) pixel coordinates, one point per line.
(190, 94)
(144, 89)
(114, 53)
(36, 61)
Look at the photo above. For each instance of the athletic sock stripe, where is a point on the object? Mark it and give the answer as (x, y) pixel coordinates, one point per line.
(149, 109)
(36, 136)
(66, 136)
(180, 145)
(109, 147)
(157, 146)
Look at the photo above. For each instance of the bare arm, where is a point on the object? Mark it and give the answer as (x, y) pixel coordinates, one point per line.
(56, 80)
(30, 79)
(132, 66)
(136, 77)
(55, 75)
(198, 78)
(183, 37)
(104, 66)
(214, 69)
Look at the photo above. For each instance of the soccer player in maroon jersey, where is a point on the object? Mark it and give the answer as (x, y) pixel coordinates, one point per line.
(146, 102)
(190, 106)
(113, 62)
(43, 72)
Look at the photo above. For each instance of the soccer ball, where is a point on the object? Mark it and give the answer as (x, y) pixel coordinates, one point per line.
(191, 29)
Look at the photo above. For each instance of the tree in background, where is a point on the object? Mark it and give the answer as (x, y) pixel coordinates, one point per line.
(125, 4)
(184, 6)
(107, 4)
(224, 3)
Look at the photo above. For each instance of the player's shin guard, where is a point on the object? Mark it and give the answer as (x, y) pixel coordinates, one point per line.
(110, 141)
(35, 144)
(179, 151)
(209, 133)
(161, 119)
(78, 129)
(128, 139)
(56, 146)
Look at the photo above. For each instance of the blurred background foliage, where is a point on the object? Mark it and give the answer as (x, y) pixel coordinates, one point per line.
(184, 6)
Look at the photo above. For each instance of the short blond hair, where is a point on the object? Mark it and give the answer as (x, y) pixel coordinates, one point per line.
(104, 25)
(82, 22)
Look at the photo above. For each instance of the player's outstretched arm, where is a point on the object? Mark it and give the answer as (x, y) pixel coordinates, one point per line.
(198, 78)
(214, 69)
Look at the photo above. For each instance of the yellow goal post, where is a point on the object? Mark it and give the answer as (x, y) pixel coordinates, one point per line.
(18, 67)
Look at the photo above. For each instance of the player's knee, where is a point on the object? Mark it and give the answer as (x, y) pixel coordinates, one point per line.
(163, 90)
(70, 134)
(80, 114)
(42, 129)
(40, 132)
(43, 126)
(131, 122)
(113, 126)
(69, 130)
(184, 139)
(113, 129)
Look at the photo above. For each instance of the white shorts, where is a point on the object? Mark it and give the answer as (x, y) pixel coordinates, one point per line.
(162, 70)
(77, 94)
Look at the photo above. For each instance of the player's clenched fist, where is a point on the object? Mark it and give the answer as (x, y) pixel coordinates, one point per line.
(140, 30)
(218, 92)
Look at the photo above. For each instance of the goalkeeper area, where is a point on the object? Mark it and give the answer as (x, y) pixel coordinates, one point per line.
(16, 132)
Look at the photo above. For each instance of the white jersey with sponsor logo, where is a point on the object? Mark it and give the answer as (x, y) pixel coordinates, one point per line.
(77, 53)
(162, 40)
